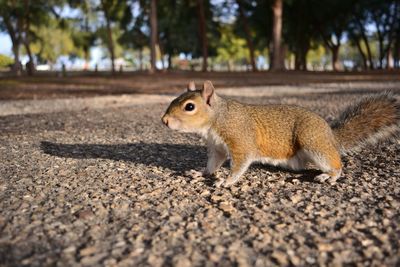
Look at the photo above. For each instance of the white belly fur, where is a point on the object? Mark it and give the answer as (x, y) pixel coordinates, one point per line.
(297, 162)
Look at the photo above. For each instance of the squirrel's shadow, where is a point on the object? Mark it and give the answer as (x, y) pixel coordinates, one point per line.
(176, 157)
(179, 158)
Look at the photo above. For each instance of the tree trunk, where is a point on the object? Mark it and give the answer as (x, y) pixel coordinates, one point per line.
(335, 57)
(389, 52)
(110, 44)
(141, 59)
(169, 61)
(365, 39)
(249, 41)
(300, 59)
(161, 49)
(110, 41)
(364, 58)
(16, 68)
(381, 51)
(277, 61)
(396, 54)
(86, 57)
(153, 37)
(380, 44)
(389, 59)
(168, 49)
(30, 66)
(86, 47)
(297, 60)
(15, 37)
(369, 53)
(202, 33)
(304, 60)
(304, 56)
(395, 21)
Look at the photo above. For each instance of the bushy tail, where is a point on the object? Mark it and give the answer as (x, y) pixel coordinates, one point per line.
(373, 119)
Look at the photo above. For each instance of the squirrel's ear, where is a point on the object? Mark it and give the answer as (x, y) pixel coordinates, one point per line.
(191, 86)
(208, 92)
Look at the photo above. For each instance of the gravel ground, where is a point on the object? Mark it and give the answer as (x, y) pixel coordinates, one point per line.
(110, 185)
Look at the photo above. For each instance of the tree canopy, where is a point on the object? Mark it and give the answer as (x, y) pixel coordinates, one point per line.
(208, 35)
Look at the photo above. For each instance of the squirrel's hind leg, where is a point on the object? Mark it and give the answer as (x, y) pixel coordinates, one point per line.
(328, 177)
(329, 163)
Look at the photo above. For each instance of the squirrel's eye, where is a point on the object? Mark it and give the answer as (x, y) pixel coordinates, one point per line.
(189, 107)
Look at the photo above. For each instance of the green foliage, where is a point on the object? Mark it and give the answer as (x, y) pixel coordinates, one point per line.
(81, 27)
(5, 61)
(83, 41)
(317, 56)
(115, 10)
(231, 49)
(178, 16)
(52, 42)
(134, 34)
(330, 19)
(178, 27)
(298, 25)
(103, 37)
(312, 29)
(259, 14)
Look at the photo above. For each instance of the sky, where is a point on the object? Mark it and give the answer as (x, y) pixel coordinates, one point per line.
(5, 44)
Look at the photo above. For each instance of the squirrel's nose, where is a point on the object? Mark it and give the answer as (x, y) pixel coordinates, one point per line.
(165, 119)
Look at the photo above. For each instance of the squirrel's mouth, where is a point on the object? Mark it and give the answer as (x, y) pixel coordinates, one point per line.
(177, 125)
(171, 122)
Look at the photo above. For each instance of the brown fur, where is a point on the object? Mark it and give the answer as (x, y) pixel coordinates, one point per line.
(373, 119)
(279, 134)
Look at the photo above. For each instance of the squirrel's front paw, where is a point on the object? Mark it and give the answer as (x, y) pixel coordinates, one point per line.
(325, 178)
(229, 182)
(226, 183)
(194, 174)
(219, 182)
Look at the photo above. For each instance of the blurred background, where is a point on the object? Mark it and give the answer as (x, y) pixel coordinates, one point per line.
(198, 35)
(77, 48)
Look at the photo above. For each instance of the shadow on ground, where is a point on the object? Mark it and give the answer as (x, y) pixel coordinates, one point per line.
(176, 157)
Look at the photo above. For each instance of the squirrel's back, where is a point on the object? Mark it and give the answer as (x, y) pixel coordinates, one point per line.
(276, 131)
(279, 130)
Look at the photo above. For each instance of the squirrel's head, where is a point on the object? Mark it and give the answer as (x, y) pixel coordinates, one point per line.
(193, 110)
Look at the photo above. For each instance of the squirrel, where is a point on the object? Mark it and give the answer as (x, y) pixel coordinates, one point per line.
(282, 135)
